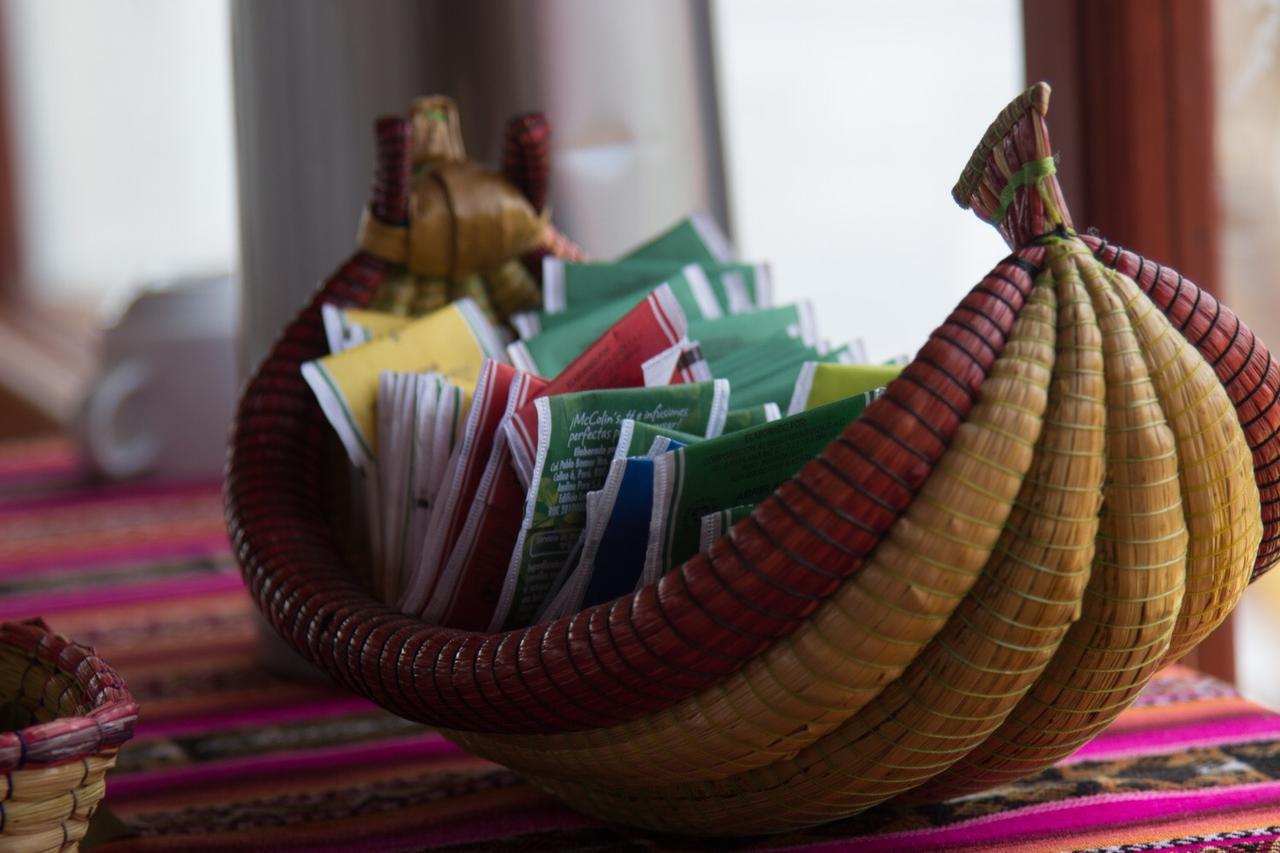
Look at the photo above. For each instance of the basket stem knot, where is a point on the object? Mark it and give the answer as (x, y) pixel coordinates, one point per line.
(1010, 181)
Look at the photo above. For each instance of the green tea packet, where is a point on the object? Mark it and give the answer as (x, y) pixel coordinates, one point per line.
(638, 438)
(697, 238)
(577, 434)
(551, 351)
(726, 335)
(734, 288)
(609, 558)
(732, 470)
(820, 383)
(714, 524)
(740, 419)
(570, 285)
(765, 373)
(690, 284)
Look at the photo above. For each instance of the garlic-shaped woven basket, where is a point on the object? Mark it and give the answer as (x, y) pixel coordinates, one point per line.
(1069, 486)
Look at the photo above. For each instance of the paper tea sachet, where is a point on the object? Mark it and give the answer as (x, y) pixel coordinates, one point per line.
(740, 419)
(442, 412)
(396, 418)
(697, 238)
(635, 352)
(609, 559)
(453, 341)
(633, 437)
(577, 434)
(470, 581)
(730, 334)
(820, 383)
(459, 480)
(636, 438)
(551, 351)
(768, 372)
(765, 373)
(345, 328)
(574, 285)
(738, 468)
(644, 347)
(714, 524)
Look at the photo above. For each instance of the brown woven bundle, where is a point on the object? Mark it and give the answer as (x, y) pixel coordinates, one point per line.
(79, 714)
(448, 227)
(1070, 485)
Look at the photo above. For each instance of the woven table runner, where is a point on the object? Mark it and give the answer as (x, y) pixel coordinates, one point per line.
(228, 756)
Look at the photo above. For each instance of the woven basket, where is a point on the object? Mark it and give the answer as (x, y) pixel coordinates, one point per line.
(80, 713)
(1069, 486)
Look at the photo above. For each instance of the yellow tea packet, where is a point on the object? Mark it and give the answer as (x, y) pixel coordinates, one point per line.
(345, 328)
(820, 383)
(453, 341)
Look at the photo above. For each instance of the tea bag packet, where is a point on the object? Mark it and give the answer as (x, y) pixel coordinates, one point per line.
(459, 480)
(714, 524)
(759, 380)
(747, 288)
(441, 416)
(610, 555)
(569, 286)
(451, 409)
(765, 373)
(470, 581)
(554, 349)
(415, 413)
(693, 239)
(453, 341)
(345, 328)
(647, 346)
(820, 383)
(640, 438)
(732, 470)
(618, 359)
(726, 335)
(397, 409)
(740, 419)
(577, 433)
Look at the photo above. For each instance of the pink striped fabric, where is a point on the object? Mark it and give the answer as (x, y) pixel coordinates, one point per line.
(229, 756)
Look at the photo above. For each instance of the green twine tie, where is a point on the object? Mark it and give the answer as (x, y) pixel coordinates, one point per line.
(1030, 173)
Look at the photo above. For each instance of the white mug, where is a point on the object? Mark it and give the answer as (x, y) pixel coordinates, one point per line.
(164, 399)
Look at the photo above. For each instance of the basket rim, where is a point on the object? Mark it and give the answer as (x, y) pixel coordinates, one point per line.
(70, 738)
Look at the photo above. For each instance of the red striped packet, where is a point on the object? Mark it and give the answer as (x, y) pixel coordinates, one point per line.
(462, 477)
(643, 348)
(470, 581)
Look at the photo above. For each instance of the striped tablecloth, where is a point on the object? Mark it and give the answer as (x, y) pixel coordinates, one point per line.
(229, 756)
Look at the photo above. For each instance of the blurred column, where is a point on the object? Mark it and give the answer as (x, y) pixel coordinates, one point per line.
(629, 88)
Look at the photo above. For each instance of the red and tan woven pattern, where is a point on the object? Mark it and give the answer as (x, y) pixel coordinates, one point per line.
(79, 713)
(1242, 362)
(526, 156)
(389, 199)
(1057, 496)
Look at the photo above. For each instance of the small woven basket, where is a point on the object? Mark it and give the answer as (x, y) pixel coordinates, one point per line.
(76, 712)
(1070, 485)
